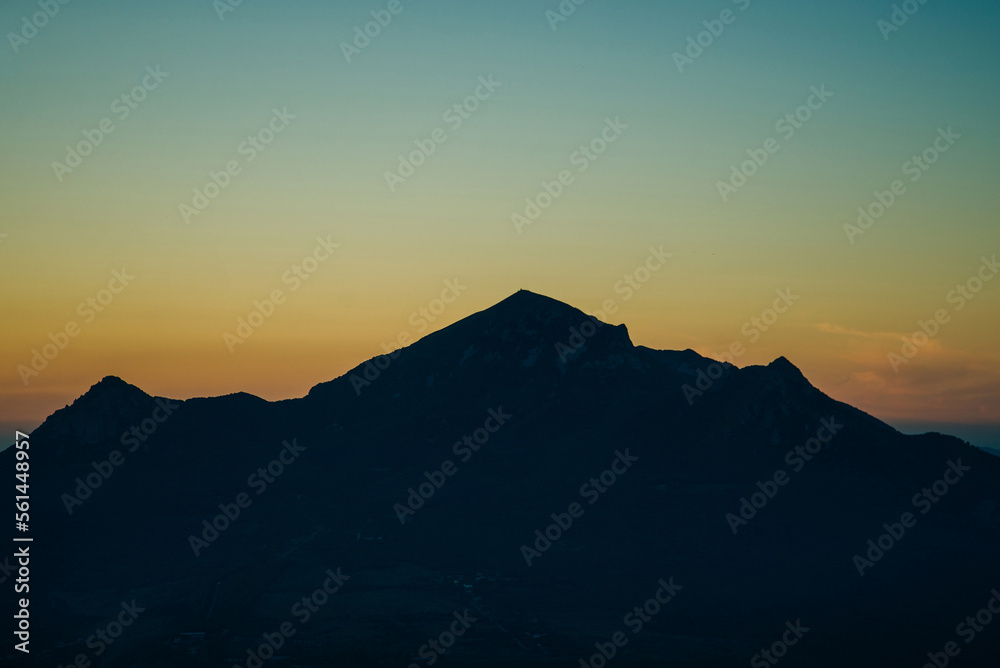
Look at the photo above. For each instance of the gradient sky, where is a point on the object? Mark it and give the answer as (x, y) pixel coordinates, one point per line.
(324, 176)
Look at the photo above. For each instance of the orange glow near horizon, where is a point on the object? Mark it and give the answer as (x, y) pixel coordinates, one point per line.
(303, 344)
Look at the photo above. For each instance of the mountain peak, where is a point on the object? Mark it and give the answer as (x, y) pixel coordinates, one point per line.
(785, 368)
(529, 320)
(513, 341)
(526, 303)
(109, 382)
(98, 414)
(782, 364)
(111, 386)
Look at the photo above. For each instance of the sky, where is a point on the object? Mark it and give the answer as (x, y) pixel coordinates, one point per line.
(181, 164)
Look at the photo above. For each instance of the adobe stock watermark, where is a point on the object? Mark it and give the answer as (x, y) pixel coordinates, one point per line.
(967, 630)
(779, 648)
(88, 310)
(914, 168)
(899, 17)
(455, 116)
(294, 277)
(30, 25)
(697, 44)
(631, 283)
(959, 296)
(585, 156)
(248, 149)
(364, 34)
(302, 611)
(591, 492)
(122, 107)
(464, 449)
(435, 648)
(787, 126)
(752, 329)
(223, 7)
(101, 639)
(257, 481)
(562, 12)
(634, 621)
(797, 459)
(421, 319)
(135, 436)
(923, 501)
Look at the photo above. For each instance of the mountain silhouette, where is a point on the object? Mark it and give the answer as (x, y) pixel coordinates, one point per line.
(529, 467)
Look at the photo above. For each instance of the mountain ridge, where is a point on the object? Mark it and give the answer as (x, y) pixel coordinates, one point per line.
(509, 314)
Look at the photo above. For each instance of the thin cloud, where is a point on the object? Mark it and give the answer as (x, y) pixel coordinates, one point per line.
(829, 328)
